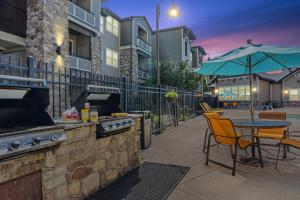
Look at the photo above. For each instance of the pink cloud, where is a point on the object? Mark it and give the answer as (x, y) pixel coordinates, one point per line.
(275, 36)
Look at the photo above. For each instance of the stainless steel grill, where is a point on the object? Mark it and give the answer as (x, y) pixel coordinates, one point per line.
(25, 124)
(106, 100)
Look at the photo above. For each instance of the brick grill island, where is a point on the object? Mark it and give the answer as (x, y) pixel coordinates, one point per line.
(77, 167)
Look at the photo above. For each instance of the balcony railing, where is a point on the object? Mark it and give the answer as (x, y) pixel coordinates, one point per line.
(16, 22)
(144, 46)
(80, 63)
(143, 74)
(81, 14)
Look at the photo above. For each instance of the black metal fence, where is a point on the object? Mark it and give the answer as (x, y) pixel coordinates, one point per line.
(67, 84)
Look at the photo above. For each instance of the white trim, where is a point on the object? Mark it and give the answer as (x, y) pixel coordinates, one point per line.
(12, 38)
(128, 47)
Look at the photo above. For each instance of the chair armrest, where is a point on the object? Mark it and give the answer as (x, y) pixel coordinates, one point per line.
(294, 134)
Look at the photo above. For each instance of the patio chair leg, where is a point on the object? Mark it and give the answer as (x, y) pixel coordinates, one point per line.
(207, 151)
(277, 156)
(234, 158)
(259, 153)
(205, 141)
(231, 151)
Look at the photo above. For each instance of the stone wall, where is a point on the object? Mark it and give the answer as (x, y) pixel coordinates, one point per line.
(96, 54)
(47, 25)
(129, 63)
(79, 166)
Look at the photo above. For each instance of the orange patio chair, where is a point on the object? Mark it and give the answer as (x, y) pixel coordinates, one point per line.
(287, 142)
(224, 133)
(275, 133)
(225, 104)
(208, 115)
(207, 109)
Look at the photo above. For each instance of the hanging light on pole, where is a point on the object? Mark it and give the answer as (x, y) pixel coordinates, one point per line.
(173, 13)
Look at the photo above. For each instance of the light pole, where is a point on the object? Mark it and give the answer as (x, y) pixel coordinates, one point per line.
(173, 12)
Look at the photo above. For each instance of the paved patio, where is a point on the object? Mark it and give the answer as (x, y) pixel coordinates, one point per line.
(183, 146)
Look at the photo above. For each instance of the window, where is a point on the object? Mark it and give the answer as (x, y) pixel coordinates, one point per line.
(71, 47)
(112, 58)
(101, 24)
(294, 95)
(234, 93)
(112, 25)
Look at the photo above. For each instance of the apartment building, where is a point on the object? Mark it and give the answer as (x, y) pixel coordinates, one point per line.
(46, 30)
(111, 38)
(175, 44)
(126, 46)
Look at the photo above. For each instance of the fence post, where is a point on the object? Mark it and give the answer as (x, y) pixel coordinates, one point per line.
(125, 85)
(184, 106)
(176, 108)
(159, 110)
(193, 104)
(30, 66)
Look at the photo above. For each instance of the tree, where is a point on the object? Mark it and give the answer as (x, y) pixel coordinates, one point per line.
(177, 74)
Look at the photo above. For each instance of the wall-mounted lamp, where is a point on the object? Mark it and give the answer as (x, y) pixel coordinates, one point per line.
(216, 91)
(254, 89)
(286, 92)
(58, 50)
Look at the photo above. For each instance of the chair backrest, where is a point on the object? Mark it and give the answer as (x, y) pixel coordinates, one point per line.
(206, 106)
(203, 108)
(221, 128)
(273, 115)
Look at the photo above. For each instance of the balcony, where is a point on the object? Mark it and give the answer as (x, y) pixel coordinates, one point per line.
(82, 15)
(142, 45)
(13, 19)
(143, 74)
(80, 63)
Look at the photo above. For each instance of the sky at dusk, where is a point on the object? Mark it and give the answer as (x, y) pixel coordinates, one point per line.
(221, 25)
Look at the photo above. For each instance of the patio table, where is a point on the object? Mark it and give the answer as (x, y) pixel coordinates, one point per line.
(259, 124)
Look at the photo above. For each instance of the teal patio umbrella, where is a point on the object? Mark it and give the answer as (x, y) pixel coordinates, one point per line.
(251, 59)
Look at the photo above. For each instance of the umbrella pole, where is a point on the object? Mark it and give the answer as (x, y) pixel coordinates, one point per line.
(251, 90)
(251, 104)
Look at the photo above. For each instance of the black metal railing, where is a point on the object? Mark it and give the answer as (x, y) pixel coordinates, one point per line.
(67, 84)
(13, 19)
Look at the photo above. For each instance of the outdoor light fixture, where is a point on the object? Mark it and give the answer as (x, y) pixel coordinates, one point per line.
(173, 11)
(254, 89)
(58, 50)
(286, 92)
(216, 91)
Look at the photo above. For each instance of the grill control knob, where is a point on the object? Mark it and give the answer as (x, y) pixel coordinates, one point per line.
(14, 145)
(118, 124)
(110, 126)
(54, 138)
(36, 141)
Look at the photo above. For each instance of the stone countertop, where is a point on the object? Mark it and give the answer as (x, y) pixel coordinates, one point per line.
(135, 116)
(69, 126)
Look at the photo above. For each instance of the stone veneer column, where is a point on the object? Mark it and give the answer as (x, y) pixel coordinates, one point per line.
(47, 22)
(129, 63)
(96, 54)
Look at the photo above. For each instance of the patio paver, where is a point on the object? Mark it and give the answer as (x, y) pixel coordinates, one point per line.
(183, 146)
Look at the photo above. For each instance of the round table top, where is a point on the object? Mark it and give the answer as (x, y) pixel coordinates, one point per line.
(261, 124)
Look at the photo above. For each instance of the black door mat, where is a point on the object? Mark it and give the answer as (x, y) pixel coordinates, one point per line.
(152, 181)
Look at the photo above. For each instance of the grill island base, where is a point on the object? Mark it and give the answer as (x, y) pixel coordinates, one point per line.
(76, 168)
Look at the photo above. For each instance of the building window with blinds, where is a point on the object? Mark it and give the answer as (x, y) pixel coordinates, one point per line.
(294, 95)
(112, 25)
(112, 58)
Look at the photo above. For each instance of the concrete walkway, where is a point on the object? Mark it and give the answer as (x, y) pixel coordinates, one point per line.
(183, 146)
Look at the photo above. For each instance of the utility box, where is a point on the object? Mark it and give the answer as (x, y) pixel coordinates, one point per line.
(146, 130)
